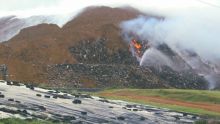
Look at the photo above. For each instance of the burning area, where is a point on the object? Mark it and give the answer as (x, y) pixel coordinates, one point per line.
(138, 47)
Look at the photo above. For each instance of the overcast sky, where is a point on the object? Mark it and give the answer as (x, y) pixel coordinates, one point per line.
(50, 7)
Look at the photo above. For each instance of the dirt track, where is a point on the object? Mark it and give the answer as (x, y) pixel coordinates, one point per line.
(205, 106)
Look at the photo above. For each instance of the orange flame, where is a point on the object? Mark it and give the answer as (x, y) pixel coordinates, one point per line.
(136, 44)
(137, 47)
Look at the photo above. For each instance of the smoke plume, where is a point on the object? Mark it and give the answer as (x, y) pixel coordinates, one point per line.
(194, 29)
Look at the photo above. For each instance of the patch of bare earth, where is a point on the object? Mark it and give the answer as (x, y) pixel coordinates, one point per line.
(156, 99)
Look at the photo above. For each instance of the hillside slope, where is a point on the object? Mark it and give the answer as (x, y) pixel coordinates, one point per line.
(93, 38)
(28, 53)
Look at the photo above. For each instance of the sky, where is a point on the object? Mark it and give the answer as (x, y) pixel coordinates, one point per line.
(26, 8)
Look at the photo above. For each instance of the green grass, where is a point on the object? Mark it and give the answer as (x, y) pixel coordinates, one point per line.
(177, 94)
(21, 121)
(201, 96)
(201, 122)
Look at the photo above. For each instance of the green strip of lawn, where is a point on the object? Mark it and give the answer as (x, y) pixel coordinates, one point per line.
(178, 94)
(22, 121)
(202, 96)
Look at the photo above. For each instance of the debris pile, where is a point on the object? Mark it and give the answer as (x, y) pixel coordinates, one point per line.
(121, 76)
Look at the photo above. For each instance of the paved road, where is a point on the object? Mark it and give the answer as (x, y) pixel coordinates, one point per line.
(23, 102)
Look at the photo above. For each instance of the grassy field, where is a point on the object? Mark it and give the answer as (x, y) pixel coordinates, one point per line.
(178, 94)
(201, 102)
(20, 121)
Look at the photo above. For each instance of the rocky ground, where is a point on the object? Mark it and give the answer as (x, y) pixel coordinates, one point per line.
(99, 67)
(121, 76)
(26, 101)
(102, 76)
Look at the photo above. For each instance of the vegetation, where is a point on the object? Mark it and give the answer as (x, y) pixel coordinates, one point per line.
(21, 121)
(178, 94)
(201, 122)
(196, 97)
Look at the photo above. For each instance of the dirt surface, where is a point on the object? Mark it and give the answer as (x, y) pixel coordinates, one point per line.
(156, 99)
(27, 53)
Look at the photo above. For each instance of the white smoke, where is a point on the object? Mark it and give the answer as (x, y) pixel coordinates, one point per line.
(196, 29)
(65, 10)
(195, 32)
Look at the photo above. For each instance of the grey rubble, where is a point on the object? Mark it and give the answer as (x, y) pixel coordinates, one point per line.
(119, 69)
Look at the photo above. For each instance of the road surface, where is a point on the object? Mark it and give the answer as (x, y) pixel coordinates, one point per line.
(21, 101)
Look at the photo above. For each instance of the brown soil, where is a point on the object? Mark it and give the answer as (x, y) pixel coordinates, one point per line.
(28, 53)
(156, 99)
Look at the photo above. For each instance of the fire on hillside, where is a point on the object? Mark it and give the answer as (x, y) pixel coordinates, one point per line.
(138, 47)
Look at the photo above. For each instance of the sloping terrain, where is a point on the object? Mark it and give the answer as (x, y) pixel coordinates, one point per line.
(27, 53)
(100, 69)
(37, 54)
